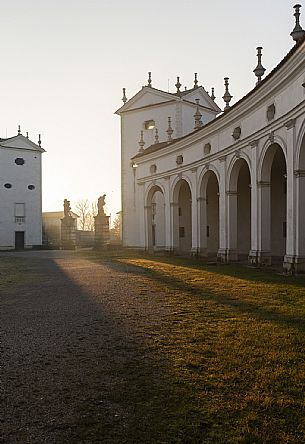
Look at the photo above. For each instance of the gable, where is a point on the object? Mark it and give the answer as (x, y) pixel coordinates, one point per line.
(20, 142)
(146, 97)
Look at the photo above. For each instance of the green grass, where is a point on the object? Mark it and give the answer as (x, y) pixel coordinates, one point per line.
(234, 336)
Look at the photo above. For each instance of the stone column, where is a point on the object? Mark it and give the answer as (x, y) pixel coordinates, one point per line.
(300, 218)
(254, 251)
(168, 225)
(222, 252)
(174, 215)
(264, 223)
(202, 225)
(148, 227)
(290, 258)
(232, 226)
(195, 227)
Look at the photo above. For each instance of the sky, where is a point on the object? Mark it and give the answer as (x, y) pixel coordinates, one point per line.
(64, 64)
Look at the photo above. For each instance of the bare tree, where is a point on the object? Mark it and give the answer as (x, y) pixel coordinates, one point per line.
(82, 207)
(91, 214)
(116, 228)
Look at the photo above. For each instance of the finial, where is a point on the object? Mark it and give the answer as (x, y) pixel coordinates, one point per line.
(298, 33)
(124, 98)
(39, 140)
(213, 97)
(197, 117)
(178, 85)
(141, 143)
(169, 130)
(156, 135)
(227, 96)
(27, 135)
(259, 71)
(19, 130)
(185, 88)
(149, 79)
(195, 81)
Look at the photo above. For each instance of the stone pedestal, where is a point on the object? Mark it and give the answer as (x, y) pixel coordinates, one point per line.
(259, 258)
(293, 264)
(101, 231)
(68, 233)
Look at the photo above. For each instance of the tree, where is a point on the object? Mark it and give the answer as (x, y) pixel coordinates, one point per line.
(86, 211)
(116, 229)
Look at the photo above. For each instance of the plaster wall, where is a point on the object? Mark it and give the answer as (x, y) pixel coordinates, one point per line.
(20, 177)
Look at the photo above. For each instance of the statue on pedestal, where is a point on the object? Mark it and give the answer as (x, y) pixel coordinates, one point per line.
(68, 228)
(101, 225)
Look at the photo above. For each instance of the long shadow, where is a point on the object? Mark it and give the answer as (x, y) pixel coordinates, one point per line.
(255, 310)
(73, 372)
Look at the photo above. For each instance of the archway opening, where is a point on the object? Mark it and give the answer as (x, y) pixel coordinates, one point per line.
(278, 205)
(239, 200)
(183, 217)
(212, 215)
(156, 219)
(243, 211)
(274, 203)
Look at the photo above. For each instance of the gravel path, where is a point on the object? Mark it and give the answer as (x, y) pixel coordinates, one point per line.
(76, 365)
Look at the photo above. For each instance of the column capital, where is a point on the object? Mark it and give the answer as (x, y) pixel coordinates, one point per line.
(201, 199)
(174, 204)
(290, 124)
(299, 173)
(231, 193)
(263, 183)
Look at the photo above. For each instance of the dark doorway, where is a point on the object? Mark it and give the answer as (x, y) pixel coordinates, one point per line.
(19, 240)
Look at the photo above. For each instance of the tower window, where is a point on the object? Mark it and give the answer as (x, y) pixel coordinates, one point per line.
(31, 187)
(19, 161)
(149, 124)
(7, 185)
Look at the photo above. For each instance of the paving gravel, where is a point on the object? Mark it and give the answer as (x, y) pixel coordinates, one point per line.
(75, 362)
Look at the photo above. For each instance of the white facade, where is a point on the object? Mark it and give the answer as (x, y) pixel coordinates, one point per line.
(20, 193)
(232, 189)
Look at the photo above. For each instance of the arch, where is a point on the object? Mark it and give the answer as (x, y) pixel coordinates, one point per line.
(209, 213)
(155, 217)
(263, 167)
(300, 151)
(182, 215)
(273, 201)
(239, 208)
(300, 165)
(234, 167)
(202, 177)
(174, 190)
(300, 187)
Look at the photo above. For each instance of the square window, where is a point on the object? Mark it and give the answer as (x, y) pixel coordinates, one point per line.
(181, 232)
(149, 124)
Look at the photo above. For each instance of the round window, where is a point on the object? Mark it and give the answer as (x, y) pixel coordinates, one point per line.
(31, 187)
(8, 185)
(19, 161)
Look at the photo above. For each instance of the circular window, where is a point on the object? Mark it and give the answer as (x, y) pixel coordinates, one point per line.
(19, 161)
(8, 185)
(31, 187)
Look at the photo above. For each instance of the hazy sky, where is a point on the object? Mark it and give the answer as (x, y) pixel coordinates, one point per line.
(64, 64)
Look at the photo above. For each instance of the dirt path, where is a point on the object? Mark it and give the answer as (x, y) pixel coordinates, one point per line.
(75, 363)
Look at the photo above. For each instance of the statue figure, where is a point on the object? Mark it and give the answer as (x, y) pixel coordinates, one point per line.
(101, 204)
(67, 208)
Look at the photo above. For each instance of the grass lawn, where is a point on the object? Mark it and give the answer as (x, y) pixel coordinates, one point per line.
(235, 337)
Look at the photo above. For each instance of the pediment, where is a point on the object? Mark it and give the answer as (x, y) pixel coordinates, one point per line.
(147, 96)
(20, 142)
